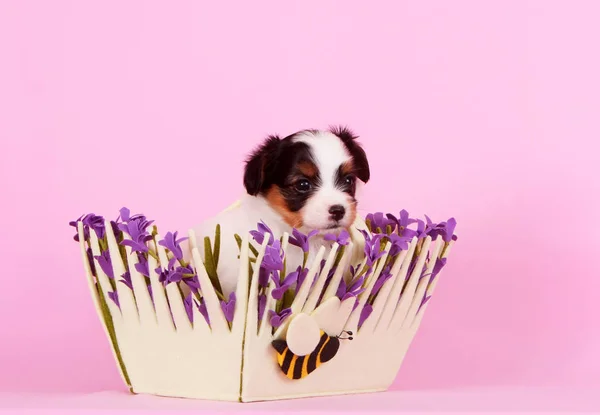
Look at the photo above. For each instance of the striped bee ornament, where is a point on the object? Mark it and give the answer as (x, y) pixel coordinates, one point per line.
(298, 367)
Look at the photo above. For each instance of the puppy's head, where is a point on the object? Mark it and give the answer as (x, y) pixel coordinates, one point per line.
(309, 177)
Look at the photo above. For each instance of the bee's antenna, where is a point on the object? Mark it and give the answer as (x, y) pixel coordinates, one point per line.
(349, 333)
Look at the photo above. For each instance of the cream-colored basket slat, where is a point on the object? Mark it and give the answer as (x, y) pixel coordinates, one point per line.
(218, 323)
(140, 290)
(304, 290)
(422, 285)
(407, 296)
(398, 284)
(114, 312)
(370, 324)
(252, 316)
(182, 321)
(313, 298)
(430, 290)
(339, 272)
(241, 307)
(103, 279)
(126, 298)
(161, 305)
(352, 324)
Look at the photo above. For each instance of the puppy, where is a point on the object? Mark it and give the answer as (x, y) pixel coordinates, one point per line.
(307, 180)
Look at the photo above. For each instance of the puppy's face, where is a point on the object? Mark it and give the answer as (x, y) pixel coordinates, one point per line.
(309, 177)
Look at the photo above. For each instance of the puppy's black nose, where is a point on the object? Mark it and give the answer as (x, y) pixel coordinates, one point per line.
(337, 212)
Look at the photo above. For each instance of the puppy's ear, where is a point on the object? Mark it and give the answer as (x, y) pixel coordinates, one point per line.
(361, 164)
(254, 174)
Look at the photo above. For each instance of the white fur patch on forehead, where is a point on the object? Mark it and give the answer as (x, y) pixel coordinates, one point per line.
(328, 150)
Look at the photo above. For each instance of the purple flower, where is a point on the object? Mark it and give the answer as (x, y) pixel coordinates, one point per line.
(276, 319)
(136, 227)
(342, 239)
(114, 296)
(202, 309)
(177, 274)
(273, 258)
(434, 229)
(383, 277)
(142, 266)
(424, 301)
(90, 221)
(355, 288)
(354, 291)
(115, 228)
(378, 222)
(171, 242)
(402, 223)
(283, 286)
(192, 282)
(259, 235)
(188, 304)
(139, 236)
(228, 307)
(149, 285)
(301, 240)
(341, 290)
(90, 257)
(263, 276)
(399, 244)
(364, 314)
(126, 279)
(439, 264)
(302, 273)
(96, 223)
(372, 246)
(105, 264)
(262, 304)
(163, 275)
(448, 233)
(421, 231)
(125, 215)
(86, 230)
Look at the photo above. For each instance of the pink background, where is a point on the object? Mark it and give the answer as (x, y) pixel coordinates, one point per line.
(486, 111)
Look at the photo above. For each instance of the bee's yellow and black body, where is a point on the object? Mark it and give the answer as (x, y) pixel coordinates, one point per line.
(298, 367)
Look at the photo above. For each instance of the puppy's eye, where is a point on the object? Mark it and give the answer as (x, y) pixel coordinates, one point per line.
(349, 180)
(302, 185)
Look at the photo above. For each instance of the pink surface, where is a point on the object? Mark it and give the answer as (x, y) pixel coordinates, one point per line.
(498, 400)
(486, 111)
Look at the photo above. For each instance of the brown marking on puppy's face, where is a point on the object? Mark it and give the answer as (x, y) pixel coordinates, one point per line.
(347, 167)
(278, 202)
(308, 169)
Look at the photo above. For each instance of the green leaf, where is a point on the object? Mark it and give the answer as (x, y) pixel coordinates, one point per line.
(339, 255)
(238, 240)
(362, 272)
(153, 254)
(288, 299)
(211, 269)
(253, 250)
(217, 246)
(111, 333)
(208, 258)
